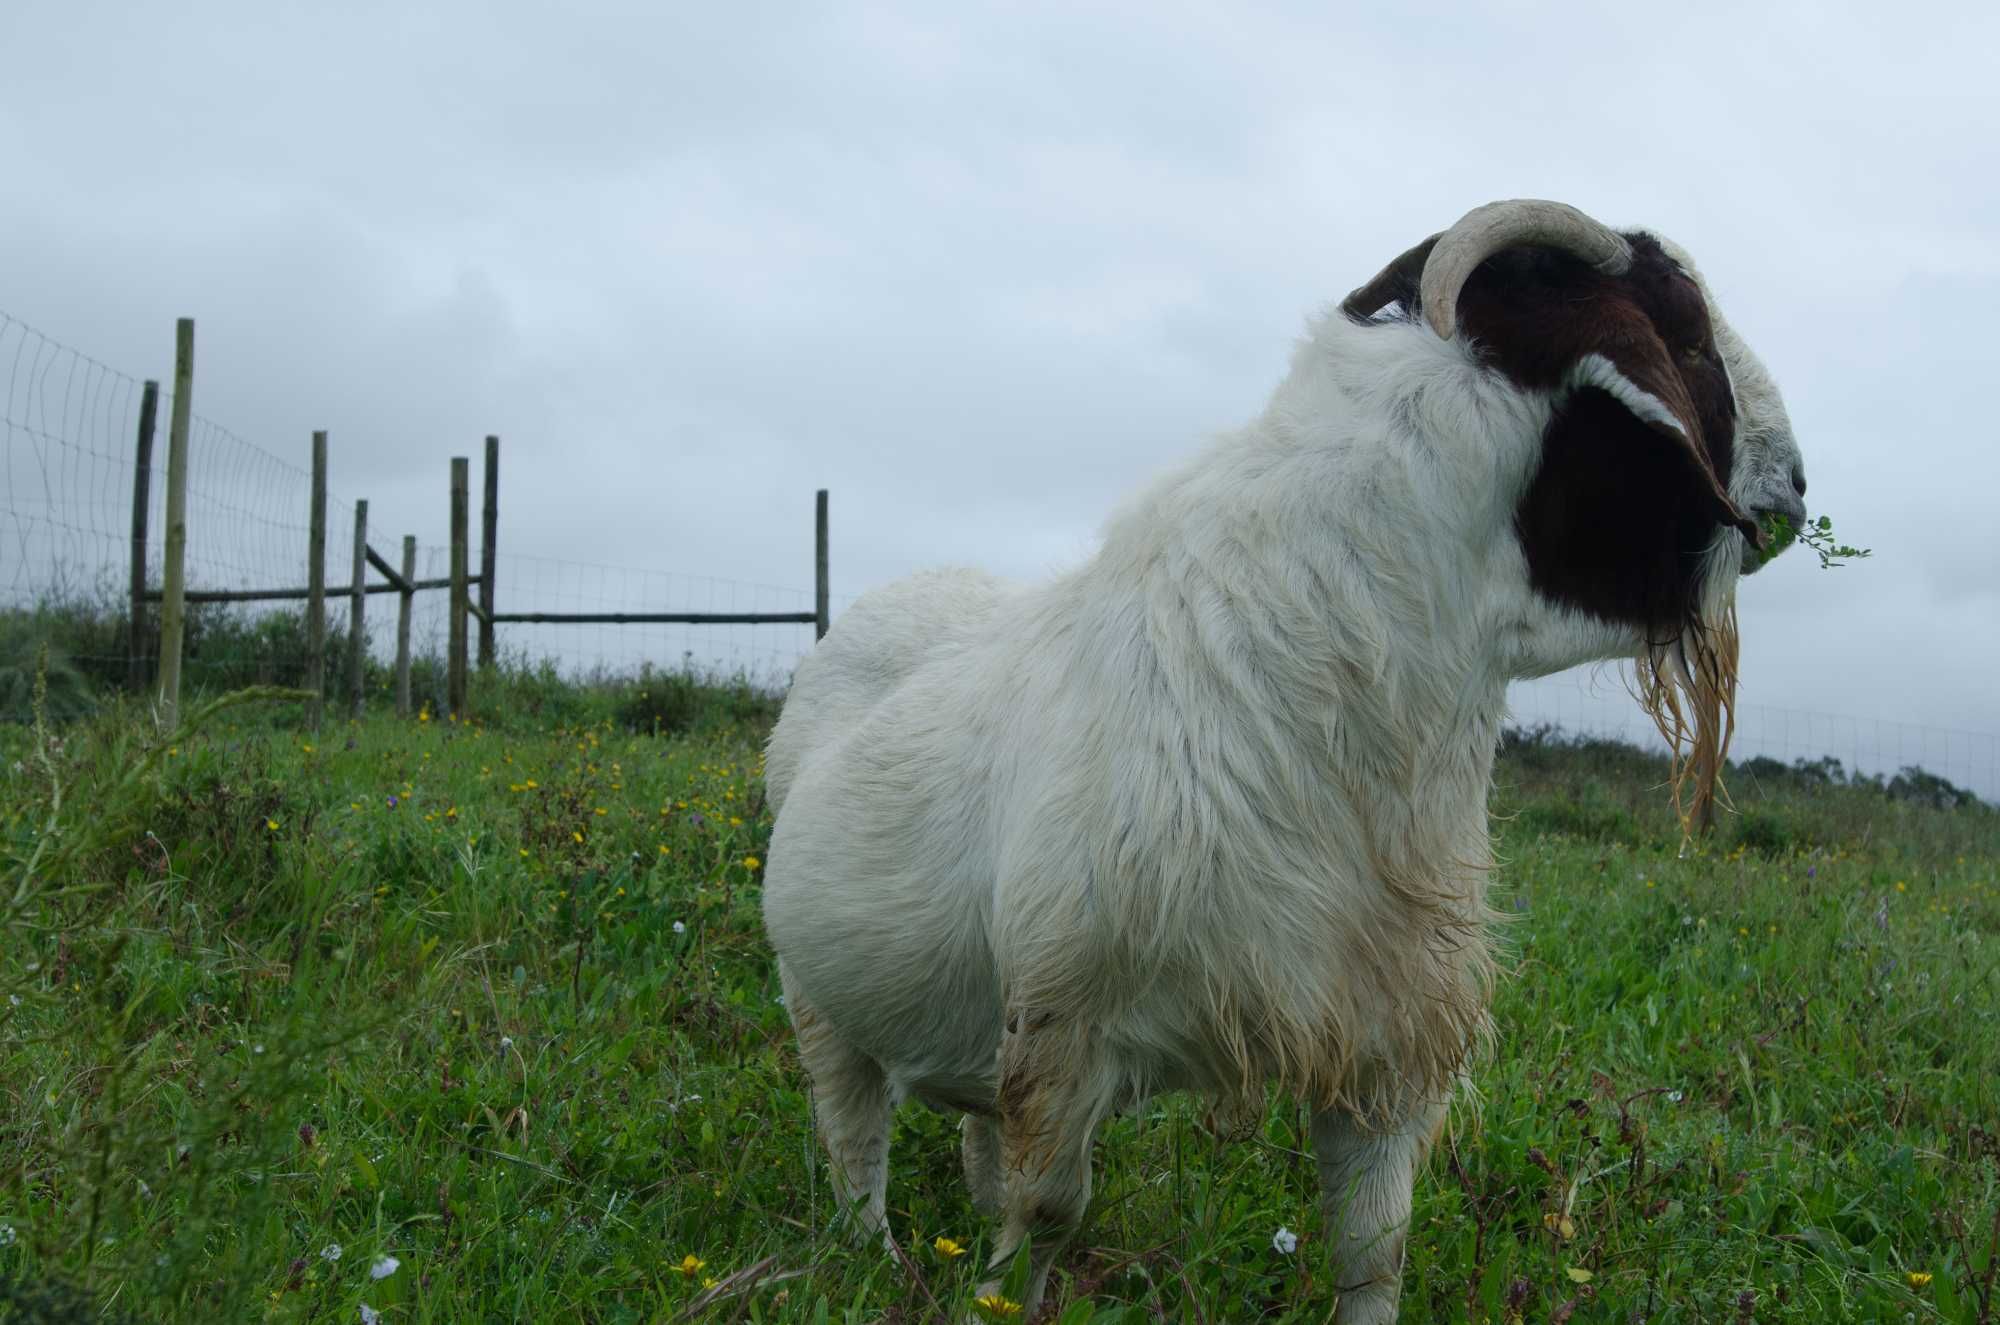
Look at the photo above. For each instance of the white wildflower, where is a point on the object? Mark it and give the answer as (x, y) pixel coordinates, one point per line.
(14, 1000)
(1673, 1097)
(330, 1252)
(680, 927)
(7, 1235)
(384, 1267)
(256, 1048)
(1285, 1241)
(369, 1315)
(506, 1043)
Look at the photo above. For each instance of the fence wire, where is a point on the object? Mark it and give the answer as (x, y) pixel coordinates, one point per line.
(1595, 702)
(68, 444)
(69, 428)
(69, 451)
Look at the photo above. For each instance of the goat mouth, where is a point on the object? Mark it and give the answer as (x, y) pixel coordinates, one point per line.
(1780, 532)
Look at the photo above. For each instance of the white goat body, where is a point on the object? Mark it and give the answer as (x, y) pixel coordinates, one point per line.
(1206, 812)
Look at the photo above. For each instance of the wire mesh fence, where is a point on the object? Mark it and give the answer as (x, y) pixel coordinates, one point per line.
(69, 453)
(82, 546)
(70, 461)
(1595, 702)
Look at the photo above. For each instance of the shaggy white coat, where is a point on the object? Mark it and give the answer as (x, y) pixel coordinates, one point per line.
(1206, 812)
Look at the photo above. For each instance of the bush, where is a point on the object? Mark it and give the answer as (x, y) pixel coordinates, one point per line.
(687, 700)
(1766, 834)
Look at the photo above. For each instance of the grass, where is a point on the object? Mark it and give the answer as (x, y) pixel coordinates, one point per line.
(491, 999)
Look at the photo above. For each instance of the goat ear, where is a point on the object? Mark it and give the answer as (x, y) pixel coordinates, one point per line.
(1633, 366)
(1641, 338)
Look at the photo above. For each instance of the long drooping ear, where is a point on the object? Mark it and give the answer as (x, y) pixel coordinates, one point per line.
(1642, 339)
(1562, 302)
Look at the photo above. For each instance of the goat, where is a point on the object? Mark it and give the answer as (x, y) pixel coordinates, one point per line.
(1208, 811)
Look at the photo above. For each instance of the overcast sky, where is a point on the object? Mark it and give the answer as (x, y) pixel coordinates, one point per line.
(979, 270)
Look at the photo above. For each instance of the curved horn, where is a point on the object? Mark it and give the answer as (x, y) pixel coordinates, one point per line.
(1487, 230)
(1389, 283)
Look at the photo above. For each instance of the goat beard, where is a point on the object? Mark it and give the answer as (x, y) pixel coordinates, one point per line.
(1688, 688)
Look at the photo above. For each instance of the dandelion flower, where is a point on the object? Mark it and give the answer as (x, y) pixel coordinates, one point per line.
(1284, 1241)
(680, 927)
(690, 1265)
(330, 1252)
(751, 862)
(576, 834)
(383, 1267)
(947, 1248)
(271, 824)
(995, 1305)
(1919, 1278)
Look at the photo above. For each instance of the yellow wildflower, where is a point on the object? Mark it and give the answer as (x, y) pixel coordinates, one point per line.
(575, 834)
(271, 824)
(1919, 1278)
(948, 1249)
(995, 1305)
(751, 862)
(690, 1265)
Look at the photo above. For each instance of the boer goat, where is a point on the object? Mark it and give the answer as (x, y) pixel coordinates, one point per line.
(1209, 811)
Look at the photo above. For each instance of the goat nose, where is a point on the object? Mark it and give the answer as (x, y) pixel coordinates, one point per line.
(1799, 480)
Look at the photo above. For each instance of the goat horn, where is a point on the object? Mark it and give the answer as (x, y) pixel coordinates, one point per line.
(1487, 230)
(1368, 300)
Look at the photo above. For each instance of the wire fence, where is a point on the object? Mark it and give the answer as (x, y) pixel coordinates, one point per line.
(1594, 701)
(764, 654)
(68, 457)
(70, 460)
(68, 453)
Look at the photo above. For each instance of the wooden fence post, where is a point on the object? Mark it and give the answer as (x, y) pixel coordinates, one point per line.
(461, 481)
(409, 600)
(820, 595)
(316, 587)
(488, 525)
(173, 606)
(357, 611)
(142, 497)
